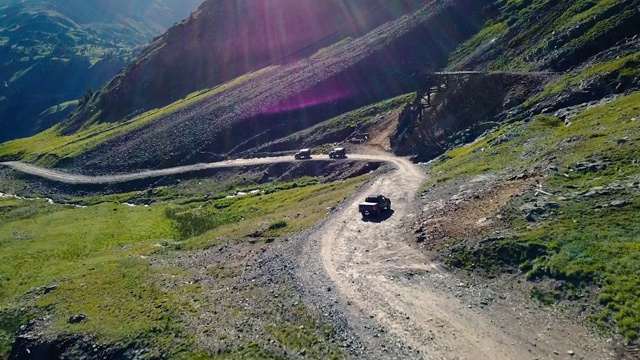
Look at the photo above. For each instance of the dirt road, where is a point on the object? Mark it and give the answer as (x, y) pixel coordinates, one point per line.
(377, 267)
(68, 178)
(379, 272)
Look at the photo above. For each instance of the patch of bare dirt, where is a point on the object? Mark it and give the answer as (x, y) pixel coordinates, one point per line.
(380, 133)
(472, 212)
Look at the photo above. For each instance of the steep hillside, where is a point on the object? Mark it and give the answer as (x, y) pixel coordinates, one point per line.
(548, 35)
(538, 175)
(51, 52)
(598, 40)
(257, 107)
(522, 243)
(229, 38)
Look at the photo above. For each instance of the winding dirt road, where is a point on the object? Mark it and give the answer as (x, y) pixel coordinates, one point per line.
(68, 178)
(376, 266)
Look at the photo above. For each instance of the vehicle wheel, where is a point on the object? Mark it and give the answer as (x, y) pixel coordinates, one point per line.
(378, 212)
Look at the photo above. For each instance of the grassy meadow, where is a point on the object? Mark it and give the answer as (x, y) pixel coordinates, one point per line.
(592, 239)
(61, 260)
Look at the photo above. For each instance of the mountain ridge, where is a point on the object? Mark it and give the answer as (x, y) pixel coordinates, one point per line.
(226, 39)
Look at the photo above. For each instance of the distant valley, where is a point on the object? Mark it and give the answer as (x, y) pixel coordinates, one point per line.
(55, 53)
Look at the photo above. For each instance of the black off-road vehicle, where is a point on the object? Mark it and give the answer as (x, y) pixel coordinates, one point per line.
(338, 153)
(303, 154)
(374, 205)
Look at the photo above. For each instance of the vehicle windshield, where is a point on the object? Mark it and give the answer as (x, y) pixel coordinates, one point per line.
(371, 199)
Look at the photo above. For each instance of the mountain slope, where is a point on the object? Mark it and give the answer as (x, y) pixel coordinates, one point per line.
(542, 184)
(52, 51)
(537, 187)
(124, 126)
(226, 39)
(264, 105)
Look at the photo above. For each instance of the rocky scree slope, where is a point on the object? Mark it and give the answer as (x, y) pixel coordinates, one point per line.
(284, 99)
(51, 52)
(229, 38)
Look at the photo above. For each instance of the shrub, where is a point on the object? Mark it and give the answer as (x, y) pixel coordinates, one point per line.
(190, 223)
(278, 224)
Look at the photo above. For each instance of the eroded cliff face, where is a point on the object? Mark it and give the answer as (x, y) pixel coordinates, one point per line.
(461, 110)
(228, 38)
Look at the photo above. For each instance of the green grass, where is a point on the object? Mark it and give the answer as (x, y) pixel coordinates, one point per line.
(60, 107)
(355, 118)
(531, 29)
(478, 157)
(299, 206)
(588, 247)
(61, 239)
(489, 33)
(50, 146)
(512, 146)
(302, 330)
(601, 27)
(92, 253)
(619, 70)
(580, 242)
(98, 258)
(123, 303)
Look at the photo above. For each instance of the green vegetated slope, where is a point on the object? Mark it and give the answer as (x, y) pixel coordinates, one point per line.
(60, 260)
(588, 232)
(623, 71)
(358, 118)
(578, 139)
(49, 147)
(546, 34)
